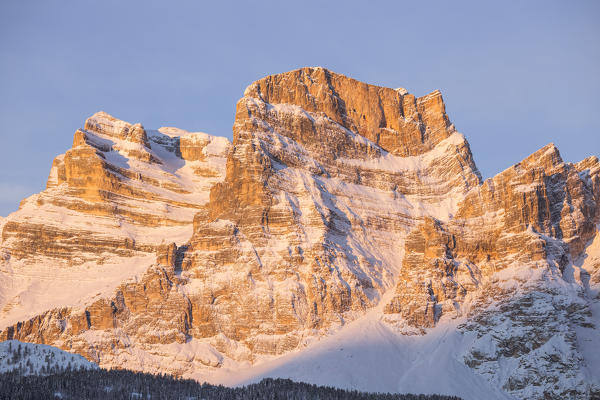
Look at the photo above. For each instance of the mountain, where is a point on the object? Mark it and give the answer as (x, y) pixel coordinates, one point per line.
(341, 211)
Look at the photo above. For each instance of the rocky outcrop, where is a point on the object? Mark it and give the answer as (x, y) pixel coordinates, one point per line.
(431, 282)
(332, 194)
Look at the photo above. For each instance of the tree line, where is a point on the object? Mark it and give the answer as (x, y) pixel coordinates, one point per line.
(123, 384)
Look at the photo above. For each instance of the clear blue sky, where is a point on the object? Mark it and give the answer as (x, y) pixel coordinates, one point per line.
(515, 75)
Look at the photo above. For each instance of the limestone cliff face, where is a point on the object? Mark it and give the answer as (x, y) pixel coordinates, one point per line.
(391, 118)
(334, 195)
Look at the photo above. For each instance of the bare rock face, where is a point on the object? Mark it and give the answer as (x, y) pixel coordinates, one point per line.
(334, 195)
(431, 281)
(396, 121)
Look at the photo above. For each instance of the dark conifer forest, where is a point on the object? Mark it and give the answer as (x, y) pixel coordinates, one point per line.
(123, 384)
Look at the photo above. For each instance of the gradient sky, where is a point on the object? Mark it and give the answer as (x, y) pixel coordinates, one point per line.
(515, 75)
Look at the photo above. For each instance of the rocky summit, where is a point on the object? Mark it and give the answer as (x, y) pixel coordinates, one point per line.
(338, 207)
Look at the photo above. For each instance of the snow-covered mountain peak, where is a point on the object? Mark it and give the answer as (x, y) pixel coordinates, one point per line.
(338, 204)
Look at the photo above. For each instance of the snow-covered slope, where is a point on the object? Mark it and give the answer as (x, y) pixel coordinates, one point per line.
(369, 355)
(38, 359)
